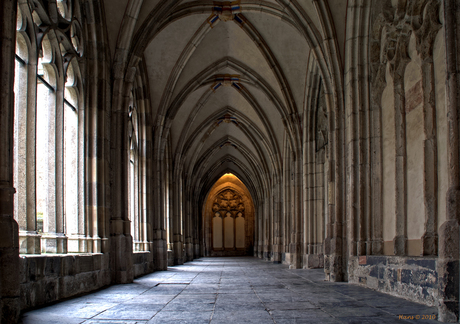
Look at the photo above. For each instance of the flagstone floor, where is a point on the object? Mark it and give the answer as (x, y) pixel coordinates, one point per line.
(232, 290)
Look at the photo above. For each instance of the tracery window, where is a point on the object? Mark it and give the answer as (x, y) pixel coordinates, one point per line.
(135, 176)
(228, 223)
(133, 172)
(321, 122)
(49, 127)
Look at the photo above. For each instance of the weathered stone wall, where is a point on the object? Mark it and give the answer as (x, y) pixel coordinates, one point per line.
(413, 278)
(402, 221)
(46, 279)
(142, 263)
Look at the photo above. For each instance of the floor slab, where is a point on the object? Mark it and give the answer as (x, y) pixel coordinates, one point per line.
(232, 290)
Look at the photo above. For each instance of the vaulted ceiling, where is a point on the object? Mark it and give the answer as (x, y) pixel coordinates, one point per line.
(227, 80)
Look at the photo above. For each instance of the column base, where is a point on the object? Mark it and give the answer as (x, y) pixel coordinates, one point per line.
(121, 258)
(10, 309)
(333, 268)
(161, 255)
(10, 303)
(197, 252)
(178, 249)
(448, 267)
(188, 252)
(313, 261)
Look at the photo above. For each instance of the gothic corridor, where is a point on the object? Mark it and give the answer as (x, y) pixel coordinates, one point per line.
(309, 148)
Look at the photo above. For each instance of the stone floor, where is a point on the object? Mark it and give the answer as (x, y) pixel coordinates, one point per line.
(232, 290)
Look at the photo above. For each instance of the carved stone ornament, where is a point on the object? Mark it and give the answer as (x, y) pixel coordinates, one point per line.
(228, 203)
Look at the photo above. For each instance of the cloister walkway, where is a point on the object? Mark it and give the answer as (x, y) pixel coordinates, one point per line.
(232, 290)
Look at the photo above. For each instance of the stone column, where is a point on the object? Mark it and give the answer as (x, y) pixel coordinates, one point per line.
(296, 257)
(309, 205)
(121, 239)
(9, 231)
(398, 65)
(177, 223)
(260, 230)
(378, 83)
(121, 243)
(277, 244)
(266, 238)
(53, 239)
(448, 261)
(25, 200)
(377, 75)
(334, 245)
(425, 37)
(189, 231)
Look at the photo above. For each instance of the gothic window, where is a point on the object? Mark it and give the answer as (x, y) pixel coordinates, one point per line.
(167, 214)
(20, 126)
(321, 136)
(228, 229)
(46, 143)
(73, 156)
(133, 163)
(137, 228)
(49, 128)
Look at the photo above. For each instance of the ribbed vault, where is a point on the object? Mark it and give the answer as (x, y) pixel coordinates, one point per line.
(228, 85)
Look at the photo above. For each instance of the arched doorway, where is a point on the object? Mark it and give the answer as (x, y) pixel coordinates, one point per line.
(229, 219)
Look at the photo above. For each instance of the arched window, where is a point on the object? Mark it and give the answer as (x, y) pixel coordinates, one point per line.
(228, 222)
(167, 195)
(134, 212)
(20, 113)
(73, 159)
(49, 127)
(46, 141)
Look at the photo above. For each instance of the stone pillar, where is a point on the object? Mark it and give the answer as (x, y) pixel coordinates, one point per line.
(425, 37)
(177, 224)
(9, 230)
(376, 164)
(260, 230)
(188, 242)
(24, 169)
(397, 68)
(334, 244)
(448, 261)
(296, 255)
(53, 239)
(308, 209)
(121, 243)
(277, 244)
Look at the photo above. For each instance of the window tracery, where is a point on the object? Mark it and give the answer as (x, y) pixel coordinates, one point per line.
(228, 221)
(49, 127)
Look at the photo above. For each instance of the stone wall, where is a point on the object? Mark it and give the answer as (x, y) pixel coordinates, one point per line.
(46, 279)
(142, 263)
(412, 278)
